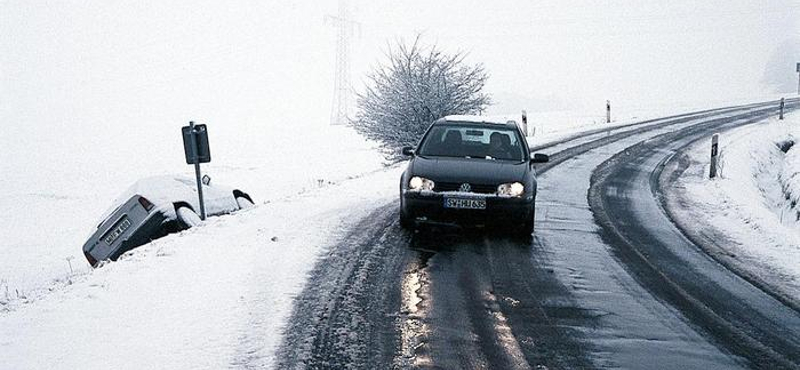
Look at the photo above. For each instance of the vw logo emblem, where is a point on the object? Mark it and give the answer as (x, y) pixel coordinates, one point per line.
(465, 188)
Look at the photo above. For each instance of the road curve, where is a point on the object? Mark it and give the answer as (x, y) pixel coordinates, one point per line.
(454, 299)
(739, 316)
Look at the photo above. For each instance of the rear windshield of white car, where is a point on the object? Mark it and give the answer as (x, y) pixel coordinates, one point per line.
(473, 141)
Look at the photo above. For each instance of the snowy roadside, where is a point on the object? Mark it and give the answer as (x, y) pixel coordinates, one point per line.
(750, 213)
(210, 297)
(547, 128)
(58, 205)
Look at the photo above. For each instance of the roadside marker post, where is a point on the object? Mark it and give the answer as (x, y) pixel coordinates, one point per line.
(196, 149)
(780, 116)
(798, 78)
(714, 155)
(525, 122)
(608, 111)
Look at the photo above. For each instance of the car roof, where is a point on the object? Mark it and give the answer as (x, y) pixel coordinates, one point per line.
(486, 120)
(167, 189)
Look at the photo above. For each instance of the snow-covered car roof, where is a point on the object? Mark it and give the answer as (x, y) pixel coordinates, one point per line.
(495, 120)
(164, 191)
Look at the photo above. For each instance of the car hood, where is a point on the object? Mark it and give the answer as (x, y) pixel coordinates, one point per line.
(473, 170)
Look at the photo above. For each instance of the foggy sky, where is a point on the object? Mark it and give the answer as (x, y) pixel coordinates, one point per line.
(106, 63)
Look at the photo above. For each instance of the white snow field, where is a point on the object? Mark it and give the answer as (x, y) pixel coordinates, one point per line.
(210, 297)
(754, 206)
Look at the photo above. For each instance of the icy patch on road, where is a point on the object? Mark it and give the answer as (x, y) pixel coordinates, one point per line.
(751, 211)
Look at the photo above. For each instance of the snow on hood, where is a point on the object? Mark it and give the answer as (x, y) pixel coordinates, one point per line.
(164, 191)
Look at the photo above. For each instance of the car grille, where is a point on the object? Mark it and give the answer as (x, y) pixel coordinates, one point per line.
(476, 188)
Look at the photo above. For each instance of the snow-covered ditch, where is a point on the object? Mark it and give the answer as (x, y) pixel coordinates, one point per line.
(211, 297)
(751, 213)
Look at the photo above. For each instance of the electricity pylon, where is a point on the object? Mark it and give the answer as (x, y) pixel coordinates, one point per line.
(341, 86)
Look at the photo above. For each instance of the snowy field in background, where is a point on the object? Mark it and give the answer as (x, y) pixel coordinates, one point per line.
(755, 204)
(551, 127)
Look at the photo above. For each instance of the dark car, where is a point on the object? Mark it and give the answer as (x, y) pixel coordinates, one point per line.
(154, 207)
(467, 170)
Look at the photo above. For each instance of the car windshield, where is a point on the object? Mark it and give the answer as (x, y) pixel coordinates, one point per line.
(474, 141)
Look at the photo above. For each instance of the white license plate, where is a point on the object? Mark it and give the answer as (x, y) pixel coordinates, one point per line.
(465, 203)
(117, 230)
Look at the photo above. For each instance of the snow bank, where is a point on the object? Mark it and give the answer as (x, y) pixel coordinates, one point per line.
(57, 205)
(751, 210)
(790, 176)
(211, 297)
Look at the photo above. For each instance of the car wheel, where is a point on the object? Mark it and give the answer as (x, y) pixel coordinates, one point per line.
(188, 217)
(405, 221)
(244, 203)
(525, 231)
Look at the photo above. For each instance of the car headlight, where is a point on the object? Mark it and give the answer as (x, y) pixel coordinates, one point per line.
(420, 183)
(512, 189)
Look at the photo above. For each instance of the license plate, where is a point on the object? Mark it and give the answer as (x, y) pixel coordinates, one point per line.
(465, 203)
(118, 229)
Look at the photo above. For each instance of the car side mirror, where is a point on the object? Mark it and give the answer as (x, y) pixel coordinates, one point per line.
(540, 158)
(409, 151)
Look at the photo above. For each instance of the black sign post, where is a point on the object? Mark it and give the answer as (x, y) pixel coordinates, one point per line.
(195, 146)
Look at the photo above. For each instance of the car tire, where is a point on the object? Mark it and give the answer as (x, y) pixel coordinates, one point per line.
(188, 217)
(526, 230)
(406, 222)
(244, 203)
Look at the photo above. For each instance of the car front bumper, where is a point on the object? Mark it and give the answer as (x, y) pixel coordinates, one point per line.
(428, 207)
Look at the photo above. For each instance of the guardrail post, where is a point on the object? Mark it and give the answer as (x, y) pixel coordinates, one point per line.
(714, 155)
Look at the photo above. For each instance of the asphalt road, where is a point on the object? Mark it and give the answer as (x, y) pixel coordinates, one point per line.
(608, 281)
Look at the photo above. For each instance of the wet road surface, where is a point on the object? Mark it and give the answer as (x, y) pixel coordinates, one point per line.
(606, 283)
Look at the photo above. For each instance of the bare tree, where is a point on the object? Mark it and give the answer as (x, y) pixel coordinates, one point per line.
(417, 86)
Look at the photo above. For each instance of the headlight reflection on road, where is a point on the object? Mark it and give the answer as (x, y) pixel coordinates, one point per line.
(413, 329)
(504, 334)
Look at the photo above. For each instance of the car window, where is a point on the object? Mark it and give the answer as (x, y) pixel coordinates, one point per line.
(474, 141)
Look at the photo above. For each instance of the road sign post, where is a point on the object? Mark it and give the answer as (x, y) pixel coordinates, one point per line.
(714, 155)
(196, 149)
